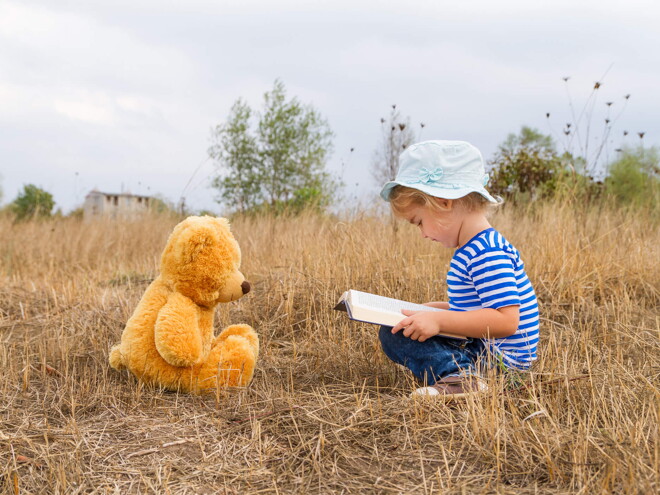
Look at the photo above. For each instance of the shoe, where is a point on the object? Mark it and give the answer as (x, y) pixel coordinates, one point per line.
(454, 387)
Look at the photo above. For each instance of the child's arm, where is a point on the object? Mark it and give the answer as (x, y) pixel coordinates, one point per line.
(438, 304)
(481, 323)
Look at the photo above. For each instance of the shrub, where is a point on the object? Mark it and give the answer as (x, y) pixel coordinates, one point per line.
(525, 166)
(634, 179)
(33, 202)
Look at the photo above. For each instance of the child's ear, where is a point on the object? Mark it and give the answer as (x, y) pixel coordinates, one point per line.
(445, 204)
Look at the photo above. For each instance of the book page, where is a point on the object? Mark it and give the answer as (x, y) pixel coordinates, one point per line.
(382, 303)
(380, 310)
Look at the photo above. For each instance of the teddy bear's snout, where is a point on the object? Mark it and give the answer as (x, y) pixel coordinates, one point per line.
(245, 287)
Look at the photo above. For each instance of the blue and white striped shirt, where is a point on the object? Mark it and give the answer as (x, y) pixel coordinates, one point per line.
(487, 272)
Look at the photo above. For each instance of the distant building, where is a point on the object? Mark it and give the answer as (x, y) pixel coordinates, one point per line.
(107, 205)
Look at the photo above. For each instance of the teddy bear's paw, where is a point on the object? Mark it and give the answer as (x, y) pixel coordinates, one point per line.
(242, 330)
(230, 364)
(115, 359)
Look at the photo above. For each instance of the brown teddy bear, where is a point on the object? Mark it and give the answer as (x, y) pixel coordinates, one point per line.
(169, 340)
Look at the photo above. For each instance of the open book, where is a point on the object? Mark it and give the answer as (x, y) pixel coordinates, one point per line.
(371, 308)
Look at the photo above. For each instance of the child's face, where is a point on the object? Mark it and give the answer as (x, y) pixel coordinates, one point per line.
(442, 227)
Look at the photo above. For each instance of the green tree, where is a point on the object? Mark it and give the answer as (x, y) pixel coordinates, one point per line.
(33, 202)
(634, 178)
(236, 152)
(526, 164)
(280, 164)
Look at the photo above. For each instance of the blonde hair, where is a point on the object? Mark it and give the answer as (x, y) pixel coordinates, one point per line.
(403, 198)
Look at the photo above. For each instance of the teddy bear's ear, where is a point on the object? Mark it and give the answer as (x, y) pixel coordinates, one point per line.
(195, 244)
(223, 222)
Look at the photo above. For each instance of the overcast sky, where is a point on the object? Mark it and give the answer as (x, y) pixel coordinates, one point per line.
(121, 95)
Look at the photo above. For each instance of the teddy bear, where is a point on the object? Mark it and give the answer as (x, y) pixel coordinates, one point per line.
(168, 341)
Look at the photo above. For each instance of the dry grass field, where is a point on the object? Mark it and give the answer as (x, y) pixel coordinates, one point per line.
(327, 412)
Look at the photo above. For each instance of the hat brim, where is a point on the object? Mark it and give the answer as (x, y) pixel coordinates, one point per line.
(439, 192)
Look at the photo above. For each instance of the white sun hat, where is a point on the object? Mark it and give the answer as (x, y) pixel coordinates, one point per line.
(444, 169)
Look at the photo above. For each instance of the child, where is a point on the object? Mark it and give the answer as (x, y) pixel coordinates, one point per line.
(440, 188)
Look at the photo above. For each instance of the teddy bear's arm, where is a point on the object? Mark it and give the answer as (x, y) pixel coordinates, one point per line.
(177, 335)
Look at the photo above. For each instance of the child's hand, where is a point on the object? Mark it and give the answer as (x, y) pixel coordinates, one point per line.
(419, 325)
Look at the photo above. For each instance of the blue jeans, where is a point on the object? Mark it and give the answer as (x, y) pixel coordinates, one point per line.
(434, 358)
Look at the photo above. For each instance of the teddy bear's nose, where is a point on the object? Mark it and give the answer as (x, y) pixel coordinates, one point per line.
(245, 287)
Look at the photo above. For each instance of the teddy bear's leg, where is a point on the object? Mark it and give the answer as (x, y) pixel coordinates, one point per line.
(244, 331)
(115, 358)
(230, 363)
